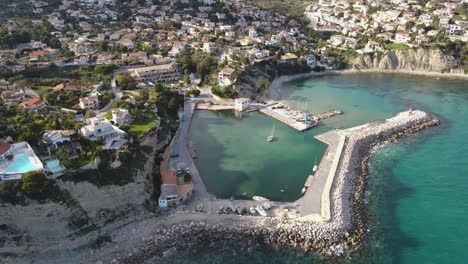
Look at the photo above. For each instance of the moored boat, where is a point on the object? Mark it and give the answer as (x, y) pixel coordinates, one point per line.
(314, 169)
(271, 137)
(260, 211)
(260, 199)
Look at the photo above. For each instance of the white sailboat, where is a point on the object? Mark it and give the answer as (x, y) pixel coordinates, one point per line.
(272, 136)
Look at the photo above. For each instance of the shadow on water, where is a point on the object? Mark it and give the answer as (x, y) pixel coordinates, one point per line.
(231, 179)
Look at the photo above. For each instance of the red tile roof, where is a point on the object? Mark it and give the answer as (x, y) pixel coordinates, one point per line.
(4, 147)
(31, 102)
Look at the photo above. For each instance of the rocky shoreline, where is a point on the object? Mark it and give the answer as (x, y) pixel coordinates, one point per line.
(345, 232)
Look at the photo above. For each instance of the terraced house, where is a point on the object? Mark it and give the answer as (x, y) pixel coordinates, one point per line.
(156, 74)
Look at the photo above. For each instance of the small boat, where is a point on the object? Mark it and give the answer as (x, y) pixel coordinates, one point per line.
(272, 136)
(260, 211)
(252, 210)
(314, 169)
(304, 189)
(260, 199)
(267, 206)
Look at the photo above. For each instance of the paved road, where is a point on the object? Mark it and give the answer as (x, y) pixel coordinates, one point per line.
(180, 147)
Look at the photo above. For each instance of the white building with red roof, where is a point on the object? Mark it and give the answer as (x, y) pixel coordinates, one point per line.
(34, 104)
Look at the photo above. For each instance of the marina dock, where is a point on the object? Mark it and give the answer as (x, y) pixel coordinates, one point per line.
(326, 115)
(296, 119)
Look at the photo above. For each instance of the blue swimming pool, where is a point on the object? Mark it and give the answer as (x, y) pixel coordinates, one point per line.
(54, 165)
(22, 164)
(116, 144)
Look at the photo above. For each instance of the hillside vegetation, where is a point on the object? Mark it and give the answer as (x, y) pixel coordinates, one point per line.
(290, 8)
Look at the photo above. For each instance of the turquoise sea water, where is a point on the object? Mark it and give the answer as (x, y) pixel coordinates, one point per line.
(419, 199)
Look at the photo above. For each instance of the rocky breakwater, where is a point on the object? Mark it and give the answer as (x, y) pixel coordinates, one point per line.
(348, 192)
(345, 230)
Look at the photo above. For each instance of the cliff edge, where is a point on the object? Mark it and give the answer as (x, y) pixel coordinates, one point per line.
(427, 60)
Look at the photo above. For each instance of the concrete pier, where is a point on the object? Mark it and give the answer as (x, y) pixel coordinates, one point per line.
(289, 117)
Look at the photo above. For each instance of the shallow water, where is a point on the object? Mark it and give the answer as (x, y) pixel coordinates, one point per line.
(235, 158)
(418, 199)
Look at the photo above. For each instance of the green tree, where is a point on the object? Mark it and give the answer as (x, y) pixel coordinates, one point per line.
(126, 81)
(64, 157)
(263, 84)
(172, 105)
(90, 113)
(35, 185)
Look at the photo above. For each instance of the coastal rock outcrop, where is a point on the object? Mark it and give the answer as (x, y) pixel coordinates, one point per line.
(248, 82)
(422, 60)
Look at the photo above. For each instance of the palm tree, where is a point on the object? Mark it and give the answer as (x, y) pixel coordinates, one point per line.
(64, 156)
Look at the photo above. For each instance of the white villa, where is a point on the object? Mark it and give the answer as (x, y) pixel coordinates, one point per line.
(402, 37)
(240, 104)
(11, 97)
(89, 102)
(16, 160)
(99, 127)
(121, 116)
(225, 76)
(57, 137)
